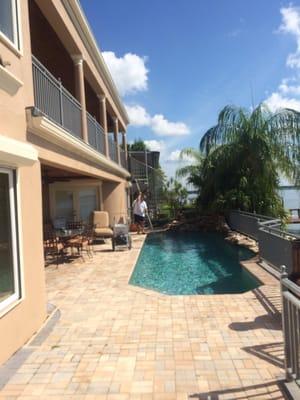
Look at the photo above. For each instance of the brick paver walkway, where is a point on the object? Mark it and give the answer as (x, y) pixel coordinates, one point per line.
(114, 341)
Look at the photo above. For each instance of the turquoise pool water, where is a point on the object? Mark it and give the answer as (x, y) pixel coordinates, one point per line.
(192, 263)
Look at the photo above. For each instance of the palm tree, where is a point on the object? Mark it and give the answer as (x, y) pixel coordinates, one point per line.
(191, 171)
(175, 196)
(243, 157)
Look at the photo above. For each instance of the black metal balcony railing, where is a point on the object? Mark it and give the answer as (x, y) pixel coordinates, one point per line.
(112, 149)
(55, 102)
(123, 158)
(96, 134)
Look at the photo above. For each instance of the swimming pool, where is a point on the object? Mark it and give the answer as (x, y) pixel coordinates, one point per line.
(192, 263)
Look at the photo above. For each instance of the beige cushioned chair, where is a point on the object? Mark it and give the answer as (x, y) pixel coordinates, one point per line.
(101, 225)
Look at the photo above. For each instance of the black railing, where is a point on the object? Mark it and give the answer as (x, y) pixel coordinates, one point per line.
(60, 106)
(53, 100)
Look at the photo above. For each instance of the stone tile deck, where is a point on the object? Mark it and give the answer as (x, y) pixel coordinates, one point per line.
(114, 341)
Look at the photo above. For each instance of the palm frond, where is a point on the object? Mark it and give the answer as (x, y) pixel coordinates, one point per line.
(191, 153)
(231, 122)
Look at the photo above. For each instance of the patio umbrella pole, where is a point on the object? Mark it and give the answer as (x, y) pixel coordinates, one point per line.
(148, 216)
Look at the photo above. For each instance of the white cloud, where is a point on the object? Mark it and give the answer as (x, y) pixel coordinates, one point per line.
(138, 116)
(155, 145)
(131, 75)
(290, 86)
(175, 157)
(291, 25)
(288, 93)
(129, 72)
(277, 100)
(162, 127)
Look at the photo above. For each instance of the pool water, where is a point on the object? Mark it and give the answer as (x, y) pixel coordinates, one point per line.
(192, 263)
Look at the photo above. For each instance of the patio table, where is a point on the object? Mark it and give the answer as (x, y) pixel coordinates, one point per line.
(65, 234)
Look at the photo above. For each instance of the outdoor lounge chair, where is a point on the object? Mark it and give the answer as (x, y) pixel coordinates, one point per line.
(102, 229)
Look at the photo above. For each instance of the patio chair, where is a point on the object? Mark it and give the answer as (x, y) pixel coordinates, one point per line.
(83, 242)
(53, 246)
(102, 230)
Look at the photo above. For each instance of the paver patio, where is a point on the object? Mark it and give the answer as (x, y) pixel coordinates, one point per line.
(115, 341)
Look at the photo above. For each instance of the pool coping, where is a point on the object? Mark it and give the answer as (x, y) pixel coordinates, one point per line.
(252, 265)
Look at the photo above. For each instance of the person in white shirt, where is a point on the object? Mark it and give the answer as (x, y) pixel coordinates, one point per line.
(139, 212)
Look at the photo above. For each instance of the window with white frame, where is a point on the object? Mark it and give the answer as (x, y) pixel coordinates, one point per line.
(9, 260)
(9, 24)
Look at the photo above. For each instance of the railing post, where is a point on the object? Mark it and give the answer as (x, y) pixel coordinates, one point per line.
(285, 323)
(61, 108)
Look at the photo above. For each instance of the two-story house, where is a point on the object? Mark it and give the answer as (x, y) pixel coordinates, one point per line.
(62, 147)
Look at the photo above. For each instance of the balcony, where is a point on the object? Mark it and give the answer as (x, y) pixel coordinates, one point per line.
(56, 103)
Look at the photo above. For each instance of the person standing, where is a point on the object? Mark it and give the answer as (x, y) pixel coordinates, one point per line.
(139, 212)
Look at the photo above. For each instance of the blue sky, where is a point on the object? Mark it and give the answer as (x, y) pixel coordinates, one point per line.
(178, 62)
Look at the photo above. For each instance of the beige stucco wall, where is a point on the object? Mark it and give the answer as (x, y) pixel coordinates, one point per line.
(12, 107)
(115, 201)
(56, 156)
(26, 317)
(19, 324)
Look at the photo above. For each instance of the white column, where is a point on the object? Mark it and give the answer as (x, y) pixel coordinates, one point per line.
(103, 117)
(80, 93)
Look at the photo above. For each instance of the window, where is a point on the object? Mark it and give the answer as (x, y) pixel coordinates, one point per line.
(9, 21)
(64, 204)
(87, 203)
(9, 263)
(74, 201)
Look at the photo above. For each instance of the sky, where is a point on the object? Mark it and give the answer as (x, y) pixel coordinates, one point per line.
(177, 63)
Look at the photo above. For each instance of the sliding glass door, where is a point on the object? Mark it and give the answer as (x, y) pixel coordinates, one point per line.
(74, 203)
(9, 270)
(87, 203)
